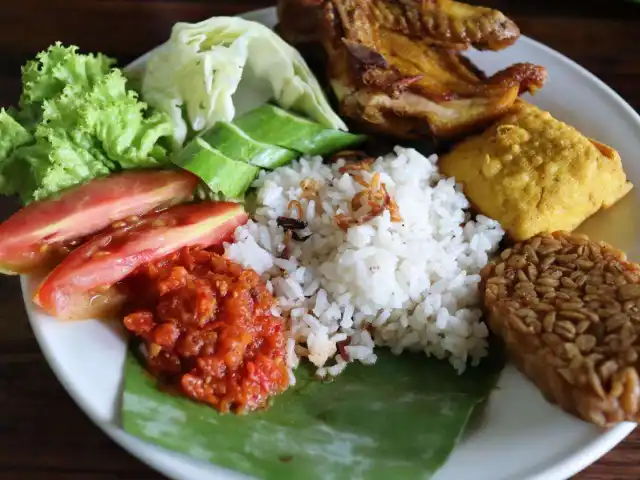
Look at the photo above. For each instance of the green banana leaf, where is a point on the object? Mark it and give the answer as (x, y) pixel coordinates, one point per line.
(400, 418)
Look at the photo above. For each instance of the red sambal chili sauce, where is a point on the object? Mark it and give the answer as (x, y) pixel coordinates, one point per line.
(208, 329)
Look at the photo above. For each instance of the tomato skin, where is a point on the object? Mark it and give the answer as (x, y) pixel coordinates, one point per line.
(30, 238)
(70, 290)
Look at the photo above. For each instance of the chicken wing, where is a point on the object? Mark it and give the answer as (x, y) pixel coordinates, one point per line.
(446, 23)
(395, 67)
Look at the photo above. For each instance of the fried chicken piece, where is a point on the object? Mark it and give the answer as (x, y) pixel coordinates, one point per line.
(440, 22)
(394, 65)
(447, 23)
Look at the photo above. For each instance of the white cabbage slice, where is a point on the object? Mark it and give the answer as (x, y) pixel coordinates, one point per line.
(194, 76)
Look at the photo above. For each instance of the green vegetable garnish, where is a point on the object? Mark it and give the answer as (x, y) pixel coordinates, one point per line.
(83, 122)
(270, 124)
(266, 137)
(194, 76)
(224, 176)
(236, 144)
(12, 136)
(52, 164)
(45, 77)
(397, 419)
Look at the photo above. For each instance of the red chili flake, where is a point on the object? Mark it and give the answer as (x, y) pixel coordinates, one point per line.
(207, 325)
(342, 350)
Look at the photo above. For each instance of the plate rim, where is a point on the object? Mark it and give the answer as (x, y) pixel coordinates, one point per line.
(569, 466)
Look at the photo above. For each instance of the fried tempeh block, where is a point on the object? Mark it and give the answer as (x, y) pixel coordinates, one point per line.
(568, 311)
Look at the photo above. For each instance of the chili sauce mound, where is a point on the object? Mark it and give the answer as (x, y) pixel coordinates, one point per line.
(208, 329)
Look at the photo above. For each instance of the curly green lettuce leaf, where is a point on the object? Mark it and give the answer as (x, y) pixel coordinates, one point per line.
(50, 165)
(194, 76)
(46, 76)
(110, 118)
(82, 121)
(12, 134)
(87, 134)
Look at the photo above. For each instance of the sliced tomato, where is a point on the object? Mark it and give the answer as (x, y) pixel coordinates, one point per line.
(39, 234)
(82, 286)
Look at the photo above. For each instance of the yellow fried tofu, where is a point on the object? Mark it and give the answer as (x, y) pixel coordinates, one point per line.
(535, 174)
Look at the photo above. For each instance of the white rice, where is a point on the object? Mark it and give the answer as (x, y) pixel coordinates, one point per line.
(413, 284)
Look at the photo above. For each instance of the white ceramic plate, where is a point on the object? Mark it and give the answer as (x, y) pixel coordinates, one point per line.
(522, 436)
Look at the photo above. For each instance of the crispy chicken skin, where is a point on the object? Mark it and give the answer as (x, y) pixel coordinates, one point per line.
(440, 22)
(535, 174)
(395, 67)
(447, 23)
